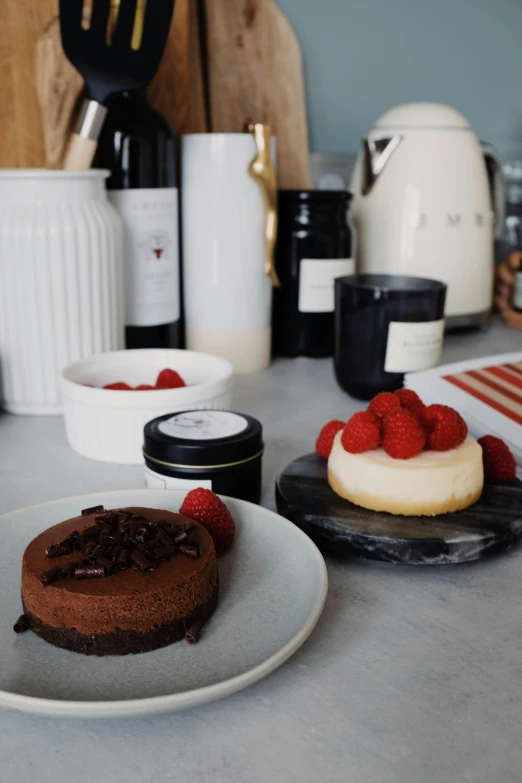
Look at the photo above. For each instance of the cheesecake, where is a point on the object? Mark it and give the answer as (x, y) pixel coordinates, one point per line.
(121, 581)
(433, 482)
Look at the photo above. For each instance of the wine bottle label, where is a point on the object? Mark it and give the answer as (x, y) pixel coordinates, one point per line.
(517, 293)
(413, 346)
(151, 254)
(316, 282)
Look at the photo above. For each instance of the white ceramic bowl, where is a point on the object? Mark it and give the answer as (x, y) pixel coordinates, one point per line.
(107, 425)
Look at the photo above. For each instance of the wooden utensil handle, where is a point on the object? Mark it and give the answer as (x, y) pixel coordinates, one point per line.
(80, 153)
(82, 146)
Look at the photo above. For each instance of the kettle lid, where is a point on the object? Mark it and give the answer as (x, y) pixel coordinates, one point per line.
(422, 115)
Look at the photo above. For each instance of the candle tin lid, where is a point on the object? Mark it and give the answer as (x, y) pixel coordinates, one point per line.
(203, 439)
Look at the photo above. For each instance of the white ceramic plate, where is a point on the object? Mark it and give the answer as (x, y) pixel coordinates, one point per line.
(273, 586)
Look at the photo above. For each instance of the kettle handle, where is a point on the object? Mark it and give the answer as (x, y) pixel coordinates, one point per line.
(496, 183)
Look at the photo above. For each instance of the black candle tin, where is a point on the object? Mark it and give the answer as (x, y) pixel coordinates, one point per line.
(219, 450)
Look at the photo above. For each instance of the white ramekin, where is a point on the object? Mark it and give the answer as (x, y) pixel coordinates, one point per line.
(107, 425)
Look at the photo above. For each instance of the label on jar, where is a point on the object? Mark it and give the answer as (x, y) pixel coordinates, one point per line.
(413, 346)
(517, 293)
(316, 282)
(203, 425)
(151, 254)
(155, 480)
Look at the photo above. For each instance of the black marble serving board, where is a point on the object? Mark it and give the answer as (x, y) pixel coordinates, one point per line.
(493, 524)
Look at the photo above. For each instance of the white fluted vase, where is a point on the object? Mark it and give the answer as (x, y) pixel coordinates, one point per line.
(60, 281)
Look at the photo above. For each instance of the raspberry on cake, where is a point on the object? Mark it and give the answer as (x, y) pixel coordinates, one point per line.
(426, 464)
(361, 433)
(122, 581)
(500, 466)
(324, 442)
(382, 404)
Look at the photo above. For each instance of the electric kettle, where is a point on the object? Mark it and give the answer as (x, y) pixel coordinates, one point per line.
(423, 205)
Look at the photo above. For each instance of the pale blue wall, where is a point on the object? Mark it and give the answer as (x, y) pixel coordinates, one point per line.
(362, 57)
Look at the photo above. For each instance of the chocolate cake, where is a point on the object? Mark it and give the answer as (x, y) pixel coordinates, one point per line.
(116, 582)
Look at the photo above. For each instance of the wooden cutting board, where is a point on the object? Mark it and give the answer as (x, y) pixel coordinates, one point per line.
(255, 74)
(21, 137)
(176, 90)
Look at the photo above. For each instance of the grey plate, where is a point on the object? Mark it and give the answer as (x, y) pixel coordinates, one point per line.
(273, 586)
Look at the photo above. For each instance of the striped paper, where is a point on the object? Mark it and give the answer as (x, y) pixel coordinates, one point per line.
(498, 386)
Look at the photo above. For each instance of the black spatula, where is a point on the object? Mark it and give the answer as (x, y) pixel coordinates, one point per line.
(109, 64)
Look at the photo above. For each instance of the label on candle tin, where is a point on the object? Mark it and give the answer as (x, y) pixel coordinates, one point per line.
(155, 480)
(203, 425)
(316, 282)
(413, 346)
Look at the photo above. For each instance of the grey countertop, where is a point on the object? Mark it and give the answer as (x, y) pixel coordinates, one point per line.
(413, 675)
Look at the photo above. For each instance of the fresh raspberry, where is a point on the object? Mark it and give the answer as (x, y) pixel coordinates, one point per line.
(499, 463)
(411, 401)
(404, 436)
(118, 386)
(144, 387)
(361, 433)
(382, 404)
(205, 507)
(169, 379)
(446, 428)
(324, 443)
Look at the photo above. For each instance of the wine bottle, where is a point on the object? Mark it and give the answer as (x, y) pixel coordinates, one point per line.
(136, 145)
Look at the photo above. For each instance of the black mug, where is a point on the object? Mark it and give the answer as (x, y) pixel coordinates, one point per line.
(385, 326)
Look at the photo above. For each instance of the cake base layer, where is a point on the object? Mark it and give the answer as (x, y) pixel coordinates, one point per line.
(120, 641)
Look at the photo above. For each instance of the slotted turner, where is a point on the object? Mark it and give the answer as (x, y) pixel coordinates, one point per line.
(109, 67)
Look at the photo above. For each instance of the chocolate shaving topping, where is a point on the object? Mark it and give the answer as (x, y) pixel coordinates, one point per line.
(164, 537)
(141, 560)
(109, 566)
(67, 571)
(180, 537)
(55, 550)
(89, 571)
(192, 632)
(190, 551)
(90, 532)
(92, 510)
(164, 552)
(119, 540)
(21, 625)
(51, 575)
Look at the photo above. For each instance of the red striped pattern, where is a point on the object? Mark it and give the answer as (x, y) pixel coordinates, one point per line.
(499, 387)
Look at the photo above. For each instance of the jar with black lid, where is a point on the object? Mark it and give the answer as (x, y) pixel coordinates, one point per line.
(218, 450)
(313, 248)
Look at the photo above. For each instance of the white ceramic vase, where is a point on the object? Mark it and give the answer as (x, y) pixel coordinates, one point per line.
(227, 295)
(60, 281)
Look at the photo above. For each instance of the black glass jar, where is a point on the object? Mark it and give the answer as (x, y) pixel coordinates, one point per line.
(313, 248)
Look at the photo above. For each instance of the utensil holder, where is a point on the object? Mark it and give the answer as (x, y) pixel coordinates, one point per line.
(60, 281)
